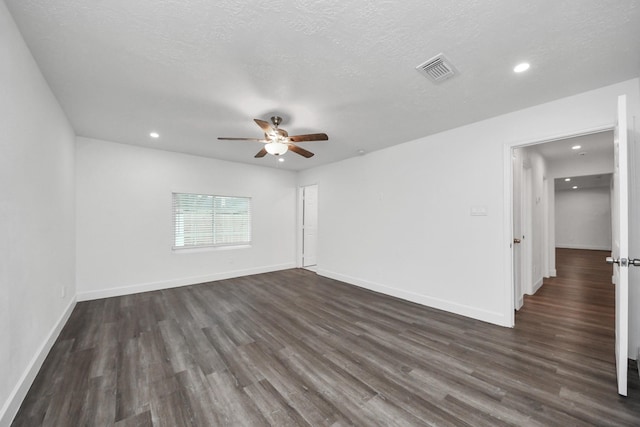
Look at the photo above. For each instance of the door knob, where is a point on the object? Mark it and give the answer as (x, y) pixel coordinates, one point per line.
(635, 262)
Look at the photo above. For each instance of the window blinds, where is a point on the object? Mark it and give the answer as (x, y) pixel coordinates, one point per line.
(206, 220)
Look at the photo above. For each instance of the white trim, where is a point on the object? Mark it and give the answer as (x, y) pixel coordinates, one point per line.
(300, 227)
(300, 224)
(175, 283)
(509, 293)
(509, 312)
(561, 136)
(553, 273)
(195, 249)
(452, 307)
(586, 247)
(11, 406)
(536, 286)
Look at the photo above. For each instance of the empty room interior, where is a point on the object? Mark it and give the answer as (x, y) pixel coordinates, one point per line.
(319, 213)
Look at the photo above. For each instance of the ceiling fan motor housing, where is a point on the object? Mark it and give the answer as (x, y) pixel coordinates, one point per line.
(276, 120)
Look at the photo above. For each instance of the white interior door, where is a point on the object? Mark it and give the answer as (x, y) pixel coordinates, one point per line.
(526, 231)
(517, 227)
(620, 244)
(309, 225)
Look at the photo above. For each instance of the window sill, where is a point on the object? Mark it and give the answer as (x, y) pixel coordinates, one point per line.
(208, 249)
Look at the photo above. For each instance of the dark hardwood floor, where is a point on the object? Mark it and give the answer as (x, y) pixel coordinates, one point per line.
(292, 348)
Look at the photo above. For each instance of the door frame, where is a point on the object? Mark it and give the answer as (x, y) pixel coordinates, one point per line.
(509, 285)
(300, 225)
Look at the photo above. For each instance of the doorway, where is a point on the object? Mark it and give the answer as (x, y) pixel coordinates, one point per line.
(309, 196)
(587, 159)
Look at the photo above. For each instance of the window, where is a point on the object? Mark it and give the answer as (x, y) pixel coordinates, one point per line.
(201, 220)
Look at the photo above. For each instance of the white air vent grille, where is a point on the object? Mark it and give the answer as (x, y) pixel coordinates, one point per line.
(437, 68)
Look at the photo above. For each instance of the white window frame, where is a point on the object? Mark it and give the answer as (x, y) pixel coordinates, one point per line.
(212, 225)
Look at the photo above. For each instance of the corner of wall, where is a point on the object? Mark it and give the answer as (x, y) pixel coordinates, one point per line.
(12, 405)
(537, 285)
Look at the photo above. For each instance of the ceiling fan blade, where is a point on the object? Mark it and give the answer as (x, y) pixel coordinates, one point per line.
(225, 138)
(301, 151)
(309, 137)
(261, 153)
(265, 126)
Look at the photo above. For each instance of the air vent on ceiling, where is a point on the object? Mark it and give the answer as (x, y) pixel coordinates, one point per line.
(437, 68)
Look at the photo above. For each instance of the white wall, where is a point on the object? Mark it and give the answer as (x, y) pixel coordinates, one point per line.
(583, 219)
(36, 218)
(398, 220)
(124, 223)
(550, 191)
(538, 220)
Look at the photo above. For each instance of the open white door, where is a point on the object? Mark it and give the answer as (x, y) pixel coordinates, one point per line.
(517, 227)
(620, 244)
(309, 225)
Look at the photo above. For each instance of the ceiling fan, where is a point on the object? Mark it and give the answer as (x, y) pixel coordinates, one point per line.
(277, 141)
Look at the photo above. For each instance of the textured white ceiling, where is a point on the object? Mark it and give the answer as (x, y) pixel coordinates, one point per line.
(195, 70)
(560, 155)
(584, 182)
(593, 145)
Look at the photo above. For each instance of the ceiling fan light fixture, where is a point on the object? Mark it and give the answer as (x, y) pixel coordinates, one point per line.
(276, 148)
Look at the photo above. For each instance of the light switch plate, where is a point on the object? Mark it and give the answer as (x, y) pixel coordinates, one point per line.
(478, 211)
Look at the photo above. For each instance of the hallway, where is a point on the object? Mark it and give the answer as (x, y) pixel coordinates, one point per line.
(577, 311)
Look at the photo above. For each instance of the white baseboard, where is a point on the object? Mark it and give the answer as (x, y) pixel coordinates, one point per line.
(175, 283)
(452, 307)
(11, 406)
(520, 303)
(537, 285)
(586, 247)
(553, 273)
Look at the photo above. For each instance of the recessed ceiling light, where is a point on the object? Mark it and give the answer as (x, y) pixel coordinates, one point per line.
(154, 135)
(567, 179)
(521, 67)
(576, 147)
(281, 159)
(575, 187)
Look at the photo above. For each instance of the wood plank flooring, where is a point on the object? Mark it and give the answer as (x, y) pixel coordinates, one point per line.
(294, 349)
